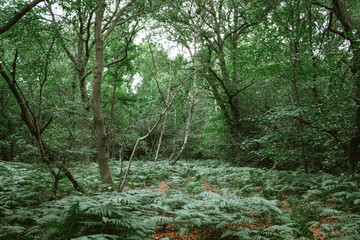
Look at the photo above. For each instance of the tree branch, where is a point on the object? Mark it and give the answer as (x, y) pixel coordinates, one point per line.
(46, 125)
(222, 84)
(118, 16)
(322, 5)
(123, 182)
(126, 47)
(244, 88)
(62, 41)
(18, 16)
(331, 132)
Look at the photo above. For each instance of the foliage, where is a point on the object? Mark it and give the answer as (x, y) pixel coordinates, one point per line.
(203, 196)
(278, 89)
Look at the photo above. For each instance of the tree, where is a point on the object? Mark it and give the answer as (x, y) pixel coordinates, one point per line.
(32, 114)
(224, 24)
(101, 135)
(351, 31)
(80, 56)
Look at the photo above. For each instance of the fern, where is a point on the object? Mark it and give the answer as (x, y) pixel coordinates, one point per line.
(239, 203)
(97, 237)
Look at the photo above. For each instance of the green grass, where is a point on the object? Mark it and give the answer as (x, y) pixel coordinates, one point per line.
(209, 198)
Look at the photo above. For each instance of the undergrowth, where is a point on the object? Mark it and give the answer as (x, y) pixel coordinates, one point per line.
(209, 199)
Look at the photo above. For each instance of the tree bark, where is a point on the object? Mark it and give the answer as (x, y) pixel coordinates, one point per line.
(192, 107)
(111, 143)
(101, 135)
(165, 117)
(112, 138)
(174, 138)
(34, 128)
(351, 27)
(100, 130)
(85, 142)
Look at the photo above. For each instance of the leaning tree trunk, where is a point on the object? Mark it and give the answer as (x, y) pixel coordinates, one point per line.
(165, 117)
(192, 108)
(101, 135)
(48, 157)
(123, 182)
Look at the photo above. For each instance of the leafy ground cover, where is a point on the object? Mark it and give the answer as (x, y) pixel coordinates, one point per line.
(191, 200)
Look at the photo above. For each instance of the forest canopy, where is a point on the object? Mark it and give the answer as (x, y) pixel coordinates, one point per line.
(257, 83)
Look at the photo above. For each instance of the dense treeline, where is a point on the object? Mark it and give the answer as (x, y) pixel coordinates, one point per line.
(261, 97)
(258, 83)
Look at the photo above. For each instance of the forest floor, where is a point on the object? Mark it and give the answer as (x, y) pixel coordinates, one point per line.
(192, 200)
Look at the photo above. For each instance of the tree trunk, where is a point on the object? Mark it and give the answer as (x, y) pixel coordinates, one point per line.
(294, 80)
(351, 26)
(111, 143)
(165, 117)
(112, 138)
(123, 182)
(80, 65)
(33, 126)
(80, 60)
(354, 143)
(101, 135)
(192, 107)
(85, 142)
(174, 137)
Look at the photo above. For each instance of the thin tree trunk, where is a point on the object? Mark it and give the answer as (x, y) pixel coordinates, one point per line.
(111, 143)
(300, 127)
(111, 147)
(121, 160)
(160, 138)
(123, 182)
(80, 59)
(85, 141)
(101, 135)
(192, 107)
(46, 155)
(174, 138)
(165, 117)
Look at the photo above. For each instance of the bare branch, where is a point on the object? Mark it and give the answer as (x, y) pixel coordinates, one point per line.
(123, 182)
(118, 16)
(342, 34)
